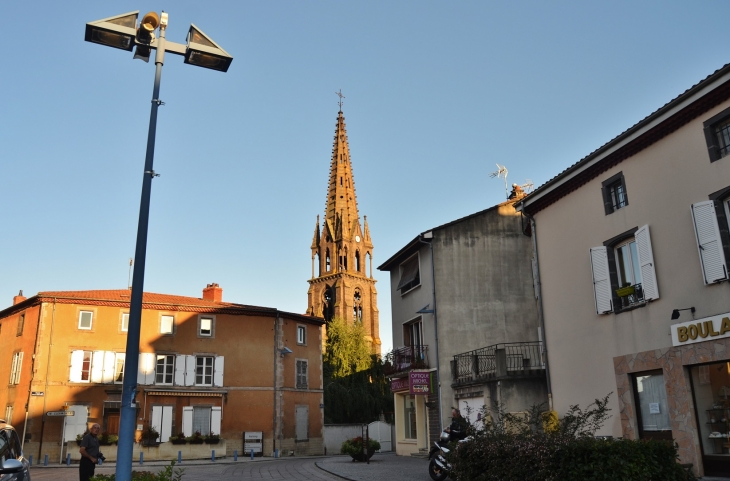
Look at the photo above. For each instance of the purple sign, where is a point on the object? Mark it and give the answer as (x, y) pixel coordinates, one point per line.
(420, 382)
(399, 384)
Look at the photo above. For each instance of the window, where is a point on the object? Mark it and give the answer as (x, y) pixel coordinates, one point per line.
(653, 409)
(302, 374)
(328, 265)
(717, 135)
(614, 193)
(165, 369)
(205, 327)
(409, 275)
(711, 231)
(204, 371)
(409, 416)
(21, 323)
(413, 333)
(624, 275)
(201, 419)
(9, 414)
(125, 322)
(16, 368)
(85, 318)
(80, 366)
(167, 324)
(357, 306)
(301, 335)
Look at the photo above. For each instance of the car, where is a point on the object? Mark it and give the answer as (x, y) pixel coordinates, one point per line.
(15, 467)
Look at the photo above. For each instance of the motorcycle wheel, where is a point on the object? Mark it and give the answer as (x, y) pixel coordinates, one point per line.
(436, 472)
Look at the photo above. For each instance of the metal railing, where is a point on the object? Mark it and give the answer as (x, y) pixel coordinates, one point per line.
(637, 297)
(512, 358)
(405, 359)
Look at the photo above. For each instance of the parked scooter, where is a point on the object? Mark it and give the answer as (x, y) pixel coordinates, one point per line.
(438, 468)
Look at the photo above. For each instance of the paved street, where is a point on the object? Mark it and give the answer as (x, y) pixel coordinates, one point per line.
(335, 468)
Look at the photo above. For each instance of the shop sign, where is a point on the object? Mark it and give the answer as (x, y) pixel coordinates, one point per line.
(399, 384)
(420, 382)
(700, 330)
(253, 441)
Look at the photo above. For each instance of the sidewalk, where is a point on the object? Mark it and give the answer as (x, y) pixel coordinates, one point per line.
(185, 462)
(382, 466)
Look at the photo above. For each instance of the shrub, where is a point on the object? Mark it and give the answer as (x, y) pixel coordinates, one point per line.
(196, 438)
(527, 448)
(211, 438)
(169, 473)
(179, 438)
(354, 446)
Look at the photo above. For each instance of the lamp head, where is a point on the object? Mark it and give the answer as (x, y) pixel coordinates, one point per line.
(204, 52)
(118, 31)
(675, 314)
(286, 350)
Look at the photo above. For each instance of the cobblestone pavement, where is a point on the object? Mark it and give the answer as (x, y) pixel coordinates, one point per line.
(385, 466)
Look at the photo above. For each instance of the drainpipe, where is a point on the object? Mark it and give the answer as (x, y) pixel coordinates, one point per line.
(435, 321)
(540, 315)
(276, 353)
(45, 389)
(32, 375)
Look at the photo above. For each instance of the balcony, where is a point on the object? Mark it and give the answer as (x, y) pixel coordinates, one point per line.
(405, 359)
(497, 362)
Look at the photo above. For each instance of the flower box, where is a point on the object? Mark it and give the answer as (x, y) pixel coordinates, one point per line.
(625, 291)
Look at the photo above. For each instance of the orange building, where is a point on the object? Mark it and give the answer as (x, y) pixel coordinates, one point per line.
(205, 365)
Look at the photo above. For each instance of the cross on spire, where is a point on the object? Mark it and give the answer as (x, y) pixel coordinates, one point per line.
(339, 94)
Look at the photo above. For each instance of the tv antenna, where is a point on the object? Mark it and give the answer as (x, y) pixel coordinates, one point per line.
(528, 186)
(501, 172)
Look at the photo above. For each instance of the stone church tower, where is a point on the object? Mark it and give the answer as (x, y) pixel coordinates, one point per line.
(342, 283)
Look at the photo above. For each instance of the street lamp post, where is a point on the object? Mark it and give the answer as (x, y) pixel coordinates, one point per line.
(122, 32)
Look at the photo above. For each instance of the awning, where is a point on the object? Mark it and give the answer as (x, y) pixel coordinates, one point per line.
(409, 274)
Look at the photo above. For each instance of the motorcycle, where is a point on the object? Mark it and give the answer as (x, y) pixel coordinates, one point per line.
(438, 468)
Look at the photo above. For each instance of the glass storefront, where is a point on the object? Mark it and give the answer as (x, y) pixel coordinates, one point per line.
(711, 390)
(409, 416)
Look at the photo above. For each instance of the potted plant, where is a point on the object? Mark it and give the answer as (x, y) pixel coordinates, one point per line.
(196, 438)
(212, 438)
(626, 290)
(104, 439)
(79, 437)
(354, 447)
(150, 437)
(179, 438)
(113, 439)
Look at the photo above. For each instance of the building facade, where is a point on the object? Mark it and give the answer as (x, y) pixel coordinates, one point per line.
(633, 244)
(205, 366)
(342, 251)
(464, 322)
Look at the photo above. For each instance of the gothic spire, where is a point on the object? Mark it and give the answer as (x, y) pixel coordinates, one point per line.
(341, 199)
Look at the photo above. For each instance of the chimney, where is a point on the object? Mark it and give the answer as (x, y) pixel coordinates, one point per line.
(213, 292)
(19, 298)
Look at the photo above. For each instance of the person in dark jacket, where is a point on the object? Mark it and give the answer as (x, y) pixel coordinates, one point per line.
(457, 428)
(89, 453)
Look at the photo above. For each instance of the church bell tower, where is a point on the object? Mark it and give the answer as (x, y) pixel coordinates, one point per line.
(342, 283)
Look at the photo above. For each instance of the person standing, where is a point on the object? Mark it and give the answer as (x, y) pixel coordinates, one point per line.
(89, 453)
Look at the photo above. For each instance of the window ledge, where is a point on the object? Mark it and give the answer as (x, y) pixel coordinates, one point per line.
(410, 290)
(631, 307)
(408, 441)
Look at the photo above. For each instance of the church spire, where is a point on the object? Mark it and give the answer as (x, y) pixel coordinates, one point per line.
(341, 211)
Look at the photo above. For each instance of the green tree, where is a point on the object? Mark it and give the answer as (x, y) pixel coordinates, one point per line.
(346, 351)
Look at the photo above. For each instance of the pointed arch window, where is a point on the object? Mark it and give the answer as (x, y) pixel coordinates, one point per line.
(357, 261)
(328, 303)
(328, 264)
(357, 306)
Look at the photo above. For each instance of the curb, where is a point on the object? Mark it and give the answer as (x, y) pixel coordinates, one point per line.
(332, 472)
(192, 462)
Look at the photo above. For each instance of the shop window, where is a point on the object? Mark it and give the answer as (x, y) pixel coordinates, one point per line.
(711, 390)
(409, 417)
(653, 409)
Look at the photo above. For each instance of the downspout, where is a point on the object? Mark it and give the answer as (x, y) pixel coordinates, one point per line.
(276, 351)
(540, 315)
(32, 371)
(45, 389)
(435, 324)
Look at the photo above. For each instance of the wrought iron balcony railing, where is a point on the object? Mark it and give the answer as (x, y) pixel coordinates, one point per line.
(406, 358)
(499, 360)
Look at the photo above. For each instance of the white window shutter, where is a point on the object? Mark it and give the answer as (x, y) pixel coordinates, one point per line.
(215, 420)
(646, 263)
(150, 366)
(218, 371)
(189, 371)
(97, 366)
(156, 421)
(77, 360)
(180, 370)
(12, 369)
(107, 375)
(18, 368)
(601, 280)
(712, 257)
(187, 421)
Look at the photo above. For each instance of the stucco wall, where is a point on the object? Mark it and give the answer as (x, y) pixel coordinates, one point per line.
(662, 182)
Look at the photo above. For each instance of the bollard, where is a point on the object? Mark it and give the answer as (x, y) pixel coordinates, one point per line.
(45, 460)
(68, 459)
(212, 454)
(235, 454)
(252, 455)
(276, 453)
(141, 458)
(179, 457)
(30, 460)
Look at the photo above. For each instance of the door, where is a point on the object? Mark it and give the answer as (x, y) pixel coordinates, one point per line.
(112, 423)
(302, 423)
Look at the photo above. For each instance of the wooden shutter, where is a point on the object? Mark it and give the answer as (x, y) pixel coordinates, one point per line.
(190, 372)
(146, 368)
(97, 366)
(215, 420)
(77, 361)
(646, 263)
(218, 371)
(180, 370)
(601, 280)
(187, 421)
(12, 369)
(712, 257)
(107, 375)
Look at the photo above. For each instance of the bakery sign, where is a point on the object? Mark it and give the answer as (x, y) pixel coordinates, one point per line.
(700, 330)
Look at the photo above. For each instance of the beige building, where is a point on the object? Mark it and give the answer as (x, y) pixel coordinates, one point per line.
(624, 237)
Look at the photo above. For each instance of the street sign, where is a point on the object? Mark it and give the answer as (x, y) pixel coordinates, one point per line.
(60, 413)
(37, 393)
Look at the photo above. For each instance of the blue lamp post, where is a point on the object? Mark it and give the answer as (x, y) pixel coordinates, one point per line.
(124, 32)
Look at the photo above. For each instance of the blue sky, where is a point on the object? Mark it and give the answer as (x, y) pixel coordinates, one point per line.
(436, 94)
